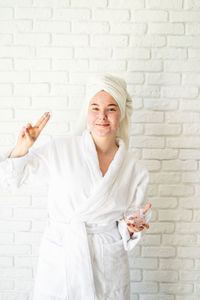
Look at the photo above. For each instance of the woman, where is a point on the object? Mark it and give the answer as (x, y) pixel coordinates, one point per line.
(93, 182)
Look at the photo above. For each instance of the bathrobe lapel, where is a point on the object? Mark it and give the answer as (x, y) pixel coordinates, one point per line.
(102, 184)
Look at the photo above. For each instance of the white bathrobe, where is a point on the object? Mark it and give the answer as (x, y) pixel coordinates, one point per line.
(83, 253)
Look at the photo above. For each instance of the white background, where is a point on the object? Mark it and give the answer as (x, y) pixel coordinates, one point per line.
(48, 48)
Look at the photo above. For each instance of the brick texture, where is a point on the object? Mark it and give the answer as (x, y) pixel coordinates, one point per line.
(48, 48)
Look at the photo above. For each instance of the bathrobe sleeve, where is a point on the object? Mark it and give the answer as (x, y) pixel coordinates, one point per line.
(139, 199)
(30, 170)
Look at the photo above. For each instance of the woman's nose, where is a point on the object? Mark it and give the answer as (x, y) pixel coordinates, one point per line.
(102, 115)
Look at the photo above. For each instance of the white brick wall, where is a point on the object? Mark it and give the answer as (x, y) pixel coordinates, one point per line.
(48, 48)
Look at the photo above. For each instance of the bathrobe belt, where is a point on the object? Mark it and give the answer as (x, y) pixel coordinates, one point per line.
(78, 265)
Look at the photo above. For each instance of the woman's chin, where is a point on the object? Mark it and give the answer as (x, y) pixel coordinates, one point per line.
(101, 131)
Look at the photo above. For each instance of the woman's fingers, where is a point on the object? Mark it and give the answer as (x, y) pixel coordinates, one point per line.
(33, 132)
(42, 121)
(27, 134)
(23, 131)
(28, 125)
(146, 226)
(132, 228)
(146, 208)
(135, 228)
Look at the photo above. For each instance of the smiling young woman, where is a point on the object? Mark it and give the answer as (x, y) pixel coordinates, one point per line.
(93, 181)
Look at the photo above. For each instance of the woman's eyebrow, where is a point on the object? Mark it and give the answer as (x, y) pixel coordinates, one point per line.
(112, 104)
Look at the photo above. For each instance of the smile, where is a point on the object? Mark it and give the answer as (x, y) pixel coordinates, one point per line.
(102, 125)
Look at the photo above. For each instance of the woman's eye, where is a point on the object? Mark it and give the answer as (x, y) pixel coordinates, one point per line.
(110, 109)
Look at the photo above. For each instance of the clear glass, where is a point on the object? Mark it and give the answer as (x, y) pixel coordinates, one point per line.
(136, 216)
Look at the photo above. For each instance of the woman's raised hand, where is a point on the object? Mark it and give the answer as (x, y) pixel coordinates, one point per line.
(28, 135)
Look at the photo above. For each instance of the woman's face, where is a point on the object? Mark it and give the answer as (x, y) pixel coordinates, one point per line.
(103, 114)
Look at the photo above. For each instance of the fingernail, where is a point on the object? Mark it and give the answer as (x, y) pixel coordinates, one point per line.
(46, 114)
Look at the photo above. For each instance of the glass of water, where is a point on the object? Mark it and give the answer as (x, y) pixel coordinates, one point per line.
(138, 216)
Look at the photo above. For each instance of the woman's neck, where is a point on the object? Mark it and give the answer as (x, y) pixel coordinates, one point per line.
(104, 144)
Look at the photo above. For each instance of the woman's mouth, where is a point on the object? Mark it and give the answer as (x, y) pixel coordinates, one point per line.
(102, 125)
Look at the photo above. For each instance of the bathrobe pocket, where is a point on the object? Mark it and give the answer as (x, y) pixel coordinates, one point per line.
(51, 277)
(116, 265)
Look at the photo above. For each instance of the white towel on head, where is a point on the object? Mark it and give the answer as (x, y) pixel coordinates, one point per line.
(116, 87)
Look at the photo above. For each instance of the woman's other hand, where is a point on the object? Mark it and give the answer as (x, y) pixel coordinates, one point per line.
(136, 222)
